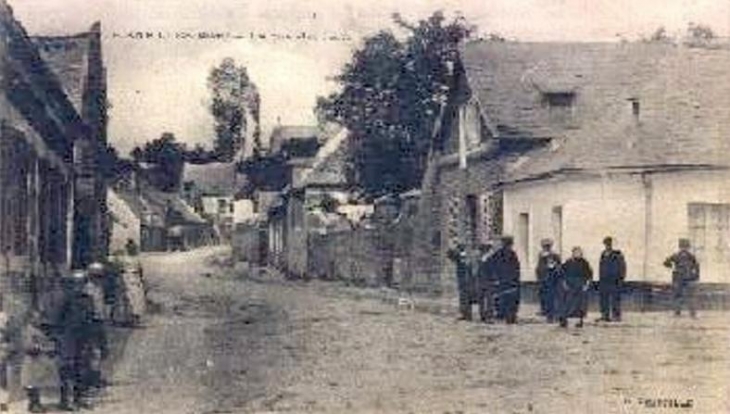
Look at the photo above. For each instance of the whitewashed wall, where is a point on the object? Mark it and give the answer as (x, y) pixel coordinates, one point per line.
(645, 214)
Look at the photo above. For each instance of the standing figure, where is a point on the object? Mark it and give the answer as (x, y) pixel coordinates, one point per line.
(548, 273)
(37, 361)
(76, 332)
(507, 270)
(487, 282)
(573, 284)
(5, 351)
(685, 274)
(463, 280)
(612, 272)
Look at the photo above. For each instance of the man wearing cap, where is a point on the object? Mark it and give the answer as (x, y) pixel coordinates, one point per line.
(547, 273)
(612, 272)
(685, 274)
(507, 270)
(463, 280)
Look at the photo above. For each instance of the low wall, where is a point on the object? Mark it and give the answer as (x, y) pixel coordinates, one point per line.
(357, 256)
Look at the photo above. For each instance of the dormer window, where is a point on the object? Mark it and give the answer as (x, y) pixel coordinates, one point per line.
(559, 99)
(560, 105)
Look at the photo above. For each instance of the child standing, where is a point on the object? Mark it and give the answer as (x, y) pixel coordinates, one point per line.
(38, 365)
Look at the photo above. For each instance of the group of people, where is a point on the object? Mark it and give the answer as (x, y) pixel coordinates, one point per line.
(69, 336)
(492, 280)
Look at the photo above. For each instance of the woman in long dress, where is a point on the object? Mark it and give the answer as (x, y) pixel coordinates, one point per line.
(573, 285)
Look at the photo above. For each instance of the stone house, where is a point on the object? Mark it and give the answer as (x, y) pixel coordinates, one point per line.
(76, 61)
(576, 141)
(211, 189)
(52, 121)
(322, 181)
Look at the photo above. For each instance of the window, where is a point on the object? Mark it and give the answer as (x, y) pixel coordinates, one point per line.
(560, 106)
(709, 233)
(15, 158)
(635, 108)
(560, 99)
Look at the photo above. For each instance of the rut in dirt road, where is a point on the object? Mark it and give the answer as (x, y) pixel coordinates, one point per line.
(206, 348)
(222, 342)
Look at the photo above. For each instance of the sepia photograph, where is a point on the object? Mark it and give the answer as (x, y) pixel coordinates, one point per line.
(351, 206)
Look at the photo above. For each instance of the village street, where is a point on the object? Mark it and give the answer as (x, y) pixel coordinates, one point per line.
(220, 343)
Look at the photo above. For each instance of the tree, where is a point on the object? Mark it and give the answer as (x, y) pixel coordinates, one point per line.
(392, 91)
(659, 35)
(700, 32)
(111, 166)
(199, 155)
(168, 155)
(234, 96)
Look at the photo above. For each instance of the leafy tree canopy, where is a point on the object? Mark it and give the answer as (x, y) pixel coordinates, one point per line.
(169, 157)
(391, 93)
(233, 96)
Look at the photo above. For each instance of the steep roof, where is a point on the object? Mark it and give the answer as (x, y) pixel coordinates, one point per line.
(683, 97)
(216, 178)
(284, 133)
(179, 211)
(68, 57)
(330, 163)
(151, 204)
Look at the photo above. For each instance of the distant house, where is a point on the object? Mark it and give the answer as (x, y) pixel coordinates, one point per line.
(311, 202)
(126, 223)
(211, 188)
(291, 138)
(577, 141)
(166, 221)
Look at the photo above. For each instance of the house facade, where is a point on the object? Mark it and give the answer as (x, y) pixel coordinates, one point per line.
(46, 125)
(211, 189)
(578, 141)
(76, 61)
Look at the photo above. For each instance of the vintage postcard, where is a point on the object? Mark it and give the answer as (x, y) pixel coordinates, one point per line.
(349, 206)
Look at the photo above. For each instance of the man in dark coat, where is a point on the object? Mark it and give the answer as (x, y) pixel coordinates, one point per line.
(486, 282)
(77, 335)
(547, 273)
(572, 286)
(612, 272)
(463, 280)
(506, 267)
(685, 274)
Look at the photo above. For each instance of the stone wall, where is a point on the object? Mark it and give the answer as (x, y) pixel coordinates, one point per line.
(354, 256)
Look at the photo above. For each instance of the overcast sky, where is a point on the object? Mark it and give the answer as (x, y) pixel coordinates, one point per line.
(159, 85)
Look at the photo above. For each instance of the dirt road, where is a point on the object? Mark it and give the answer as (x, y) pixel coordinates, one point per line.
(223, 344)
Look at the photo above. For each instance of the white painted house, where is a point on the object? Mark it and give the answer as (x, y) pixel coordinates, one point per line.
(578, 141)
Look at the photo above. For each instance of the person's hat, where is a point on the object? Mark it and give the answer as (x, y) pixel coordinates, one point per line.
(546, 242)
(96, 268)
(607, 240)
(684, 243)
(76, 276)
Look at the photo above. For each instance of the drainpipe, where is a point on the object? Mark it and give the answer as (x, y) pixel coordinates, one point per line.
(648, 216)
